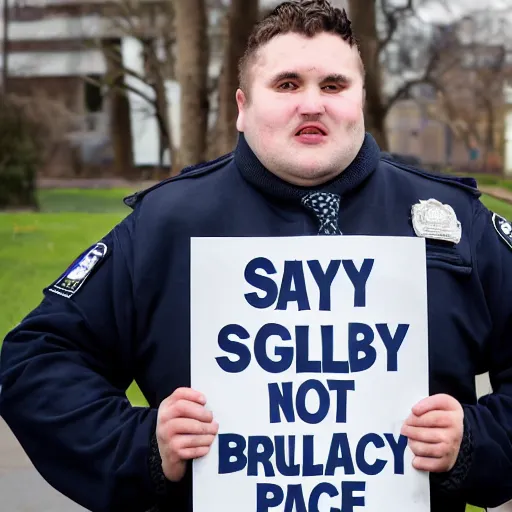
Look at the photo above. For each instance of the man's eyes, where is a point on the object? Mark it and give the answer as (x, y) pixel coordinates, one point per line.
(332, 88)
(291, 86)
(286, 86)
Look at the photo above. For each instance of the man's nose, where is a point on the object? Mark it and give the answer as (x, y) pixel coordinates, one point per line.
(311, 103)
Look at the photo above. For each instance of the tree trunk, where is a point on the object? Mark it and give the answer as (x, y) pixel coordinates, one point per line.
(363, 16)
(156, 78)
(489, 145)
(120, 122)
(192, 74)
(242, 16)
(121, 134)
(5, 47)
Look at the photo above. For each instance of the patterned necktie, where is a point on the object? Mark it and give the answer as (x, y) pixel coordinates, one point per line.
(325, 206)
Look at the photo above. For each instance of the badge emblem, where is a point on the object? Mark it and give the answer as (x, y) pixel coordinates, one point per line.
(437, 221)
(503, 227)
(69, 283)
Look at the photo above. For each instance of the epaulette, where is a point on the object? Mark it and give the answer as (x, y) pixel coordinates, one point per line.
(464, 182)
(187, 172)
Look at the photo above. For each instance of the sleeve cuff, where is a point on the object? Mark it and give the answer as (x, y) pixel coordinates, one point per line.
(165, 490)
(453, 480)
(156, 472)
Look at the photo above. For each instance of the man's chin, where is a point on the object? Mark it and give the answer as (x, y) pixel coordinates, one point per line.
(308, 174)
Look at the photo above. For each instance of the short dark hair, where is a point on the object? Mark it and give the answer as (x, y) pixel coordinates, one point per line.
(306, 17)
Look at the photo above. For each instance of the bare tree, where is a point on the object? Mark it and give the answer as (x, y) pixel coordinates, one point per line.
(240, 19)
(151, 25)
(399, 52)
(471, 89)
(120, 125)
(5, 45)
(192, 73)
(364, 18)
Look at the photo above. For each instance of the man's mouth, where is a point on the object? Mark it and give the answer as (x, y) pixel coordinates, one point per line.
(310, 130)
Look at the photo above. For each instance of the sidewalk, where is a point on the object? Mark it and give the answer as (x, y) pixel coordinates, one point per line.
(498, 193)
(101, 183)
(21, 487)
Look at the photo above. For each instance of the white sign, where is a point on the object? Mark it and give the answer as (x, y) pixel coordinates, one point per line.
(311, 352)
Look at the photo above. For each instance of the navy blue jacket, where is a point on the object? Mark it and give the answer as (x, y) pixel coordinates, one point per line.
(66, 366)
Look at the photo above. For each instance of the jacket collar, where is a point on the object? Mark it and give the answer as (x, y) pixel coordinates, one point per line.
(257, 175)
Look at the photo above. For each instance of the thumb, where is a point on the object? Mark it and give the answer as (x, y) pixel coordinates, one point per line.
(440, 402)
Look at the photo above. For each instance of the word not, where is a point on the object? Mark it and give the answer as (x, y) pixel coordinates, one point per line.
(280, 398)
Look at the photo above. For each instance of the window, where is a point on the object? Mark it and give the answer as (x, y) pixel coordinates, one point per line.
(93, 97)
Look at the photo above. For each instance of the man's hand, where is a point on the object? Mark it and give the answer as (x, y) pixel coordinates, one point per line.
(435, 429)
(184, 430)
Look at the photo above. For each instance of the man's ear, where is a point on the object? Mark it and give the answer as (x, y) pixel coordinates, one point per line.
(241, 102)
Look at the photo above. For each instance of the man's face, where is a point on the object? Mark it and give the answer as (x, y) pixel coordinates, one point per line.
(303, 113)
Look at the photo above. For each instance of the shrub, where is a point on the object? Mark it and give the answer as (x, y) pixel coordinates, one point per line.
(31, 128)
(20, 155)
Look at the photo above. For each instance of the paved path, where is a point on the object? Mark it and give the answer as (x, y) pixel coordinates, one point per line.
(22, 489)
(93, 183)
(497, 192)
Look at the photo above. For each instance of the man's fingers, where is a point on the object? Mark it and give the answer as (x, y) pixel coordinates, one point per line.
(436, 402)
(187, 426)
(431, 450)
(187, 409)
(431, 419)
(430, 464)
(434, 432)
(185, 430)
(426, 435)
(186, 394)
(194, 453)
(185, 442)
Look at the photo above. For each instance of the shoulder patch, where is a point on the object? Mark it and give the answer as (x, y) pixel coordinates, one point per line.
(503, 227)
(74, 277)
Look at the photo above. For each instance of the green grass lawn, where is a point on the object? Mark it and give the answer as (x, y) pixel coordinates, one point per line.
(492, 180)
(35, 248)
(500, 207)
(84, 200)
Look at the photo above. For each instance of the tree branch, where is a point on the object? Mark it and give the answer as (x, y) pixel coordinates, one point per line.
(405, 88)
(426, 78)
(120, 89)
(392, 17)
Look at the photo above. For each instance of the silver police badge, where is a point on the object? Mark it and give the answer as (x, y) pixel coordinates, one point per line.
(437, 221)
(503, 227)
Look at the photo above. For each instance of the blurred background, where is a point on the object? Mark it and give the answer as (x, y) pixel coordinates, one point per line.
(136, 89)
(102, 98)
